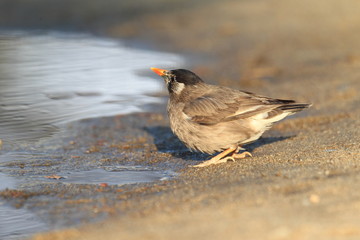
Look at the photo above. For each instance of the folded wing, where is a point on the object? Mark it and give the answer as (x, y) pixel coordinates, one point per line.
(222, 106)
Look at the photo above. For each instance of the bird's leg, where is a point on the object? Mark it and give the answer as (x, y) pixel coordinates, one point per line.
(240, 155)
(237, 155)
(220, 158)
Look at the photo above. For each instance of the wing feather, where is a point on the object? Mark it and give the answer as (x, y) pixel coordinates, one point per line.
(222, 106)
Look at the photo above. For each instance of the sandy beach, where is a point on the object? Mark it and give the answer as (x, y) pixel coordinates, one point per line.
(302, 180)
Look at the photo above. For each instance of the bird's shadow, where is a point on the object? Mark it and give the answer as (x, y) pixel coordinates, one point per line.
(166, 142)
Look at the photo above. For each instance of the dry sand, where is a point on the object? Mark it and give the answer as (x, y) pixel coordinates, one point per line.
(301, 187)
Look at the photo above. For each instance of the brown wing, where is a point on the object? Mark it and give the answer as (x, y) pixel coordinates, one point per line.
(224, 105)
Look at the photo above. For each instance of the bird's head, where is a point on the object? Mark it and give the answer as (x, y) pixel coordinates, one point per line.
(178, 79)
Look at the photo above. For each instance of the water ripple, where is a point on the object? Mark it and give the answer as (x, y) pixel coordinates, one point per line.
(49, 79)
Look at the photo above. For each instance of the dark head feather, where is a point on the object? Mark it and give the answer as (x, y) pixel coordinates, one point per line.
(186, 77)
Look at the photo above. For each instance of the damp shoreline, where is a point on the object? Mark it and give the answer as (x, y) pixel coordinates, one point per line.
(43, 93)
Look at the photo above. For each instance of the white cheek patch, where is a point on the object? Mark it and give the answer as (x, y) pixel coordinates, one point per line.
(178, 88)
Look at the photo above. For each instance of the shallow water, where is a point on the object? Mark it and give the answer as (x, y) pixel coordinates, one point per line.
(16, 223)
(114, 176)
(19, 223)
(50, 79)
(54, 78)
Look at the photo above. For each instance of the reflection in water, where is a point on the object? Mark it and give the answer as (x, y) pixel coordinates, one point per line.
(49, 79)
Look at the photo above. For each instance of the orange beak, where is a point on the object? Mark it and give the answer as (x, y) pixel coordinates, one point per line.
(159, 71)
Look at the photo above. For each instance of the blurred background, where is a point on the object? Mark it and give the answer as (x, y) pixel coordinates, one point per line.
(65, 60)
(58, 64)
(103, 52)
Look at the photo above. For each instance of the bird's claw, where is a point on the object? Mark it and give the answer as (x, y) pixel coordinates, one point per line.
(241, 155)
(232, 158)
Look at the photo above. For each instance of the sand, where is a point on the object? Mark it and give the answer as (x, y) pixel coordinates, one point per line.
(302, 180)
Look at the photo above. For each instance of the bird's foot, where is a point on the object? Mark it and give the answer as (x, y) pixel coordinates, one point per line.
(216, 160)
(241, 155)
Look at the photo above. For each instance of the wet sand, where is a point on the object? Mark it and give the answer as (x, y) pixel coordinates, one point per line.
(301, 182)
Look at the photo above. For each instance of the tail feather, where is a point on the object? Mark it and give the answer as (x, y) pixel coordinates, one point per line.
(282, 111)
(279, 101)
(296, 107)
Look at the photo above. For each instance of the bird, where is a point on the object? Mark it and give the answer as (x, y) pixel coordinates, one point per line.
(216, 119)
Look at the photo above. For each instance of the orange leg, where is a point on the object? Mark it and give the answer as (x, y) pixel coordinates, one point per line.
(240, 155)
(222, 157)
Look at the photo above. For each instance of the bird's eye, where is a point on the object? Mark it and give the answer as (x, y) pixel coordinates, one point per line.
(172, 77)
